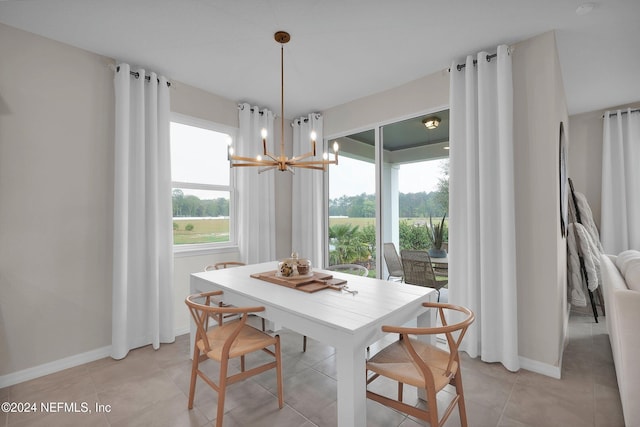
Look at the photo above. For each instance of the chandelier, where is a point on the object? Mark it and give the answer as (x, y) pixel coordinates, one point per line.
(267, 161)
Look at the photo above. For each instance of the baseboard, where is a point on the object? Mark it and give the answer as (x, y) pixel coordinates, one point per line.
(540, 368)
(55, 366)
(179, 332)
(62, 364)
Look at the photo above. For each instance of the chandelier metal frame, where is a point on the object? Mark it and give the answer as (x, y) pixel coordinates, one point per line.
(281, 162)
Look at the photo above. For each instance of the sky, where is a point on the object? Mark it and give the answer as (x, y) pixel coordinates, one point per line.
(353, 177)
(195, 161)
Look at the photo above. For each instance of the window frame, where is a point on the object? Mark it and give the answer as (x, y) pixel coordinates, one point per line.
(206, 248)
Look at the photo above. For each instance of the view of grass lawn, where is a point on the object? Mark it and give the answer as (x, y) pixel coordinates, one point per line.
(200, 230)
(362, 222)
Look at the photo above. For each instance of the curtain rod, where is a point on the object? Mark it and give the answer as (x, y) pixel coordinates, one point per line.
(475, 61)
(137, 76)
(241, 107)
(622, 112)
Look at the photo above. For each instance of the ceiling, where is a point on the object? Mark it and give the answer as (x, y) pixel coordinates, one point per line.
(408, 133)
(341, 50)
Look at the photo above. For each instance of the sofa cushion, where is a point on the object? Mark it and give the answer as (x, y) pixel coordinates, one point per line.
(623, 259)
(632, 274)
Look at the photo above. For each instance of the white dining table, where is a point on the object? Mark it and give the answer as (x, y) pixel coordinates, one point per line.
(346, 321)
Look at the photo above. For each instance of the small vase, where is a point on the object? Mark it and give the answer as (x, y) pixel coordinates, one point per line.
(437, 253)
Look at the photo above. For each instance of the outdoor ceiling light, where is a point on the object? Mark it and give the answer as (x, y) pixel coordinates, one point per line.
(431, 122)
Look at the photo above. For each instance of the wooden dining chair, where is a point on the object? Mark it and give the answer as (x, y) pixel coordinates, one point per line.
(356, 269)
(226, 341)
(422, 365)
(230, 264)
(392, 259)
(223, 264)
(418, 270)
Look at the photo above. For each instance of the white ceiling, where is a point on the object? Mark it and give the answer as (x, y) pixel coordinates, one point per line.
(341, 50)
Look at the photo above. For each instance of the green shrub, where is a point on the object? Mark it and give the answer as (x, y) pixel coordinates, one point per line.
(189, 227)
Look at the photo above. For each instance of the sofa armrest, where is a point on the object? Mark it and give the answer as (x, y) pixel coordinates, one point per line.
(625, 344)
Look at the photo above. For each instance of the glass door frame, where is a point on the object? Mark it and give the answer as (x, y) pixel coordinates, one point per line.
(378, 128)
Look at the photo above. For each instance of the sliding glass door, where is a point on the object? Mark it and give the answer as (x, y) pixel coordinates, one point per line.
(352, 204)
(390, 185)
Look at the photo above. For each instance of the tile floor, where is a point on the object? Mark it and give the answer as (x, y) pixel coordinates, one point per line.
(149, 388)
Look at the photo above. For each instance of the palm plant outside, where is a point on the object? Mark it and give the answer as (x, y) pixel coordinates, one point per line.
(347, 244)
(353, 239)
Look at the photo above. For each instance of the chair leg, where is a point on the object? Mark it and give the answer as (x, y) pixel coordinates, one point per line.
(433, 409)
(461, 405)
(400, 391)
(241, 363)
(279, 373)
(222, 391)
(194, 375)
(263, 325)
(304, 343)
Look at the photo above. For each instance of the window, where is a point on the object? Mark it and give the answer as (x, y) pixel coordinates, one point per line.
(392, 180)
(203, 211)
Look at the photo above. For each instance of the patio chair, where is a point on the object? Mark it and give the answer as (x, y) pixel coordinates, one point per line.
(418, 270)
(394, 264)
(357, 269)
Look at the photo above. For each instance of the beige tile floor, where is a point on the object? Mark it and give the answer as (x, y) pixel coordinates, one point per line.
(149, 388)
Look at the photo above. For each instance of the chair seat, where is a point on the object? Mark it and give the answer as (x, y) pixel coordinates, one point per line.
(395, 362)
(248, 341)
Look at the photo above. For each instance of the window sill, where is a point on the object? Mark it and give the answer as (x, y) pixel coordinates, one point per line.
(180, 251)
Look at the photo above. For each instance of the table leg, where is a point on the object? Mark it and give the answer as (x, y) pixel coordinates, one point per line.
(352, 397)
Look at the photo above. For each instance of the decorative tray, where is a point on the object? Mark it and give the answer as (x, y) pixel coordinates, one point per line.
(311, 282)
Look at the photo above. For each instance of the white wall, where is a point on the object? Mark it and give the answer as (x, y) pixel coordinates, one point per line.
(539, 107)
(56, 175)
(429, 93)
(56, 146)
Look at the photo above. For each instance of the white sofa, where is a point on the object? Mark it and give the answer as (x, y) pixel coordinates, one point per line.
(621, 286)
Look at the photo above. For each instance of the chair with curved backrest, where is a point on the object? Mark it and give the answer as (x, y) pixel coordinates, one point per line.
(225, 342)
(224, 264)
(418, 270)
(392, 259)
(441, 268)
(356, 269)
(422, 365)
(229, 264)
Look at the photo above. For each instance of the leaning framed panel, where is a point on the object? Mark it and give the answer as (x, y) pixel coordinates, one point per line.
(349, 322)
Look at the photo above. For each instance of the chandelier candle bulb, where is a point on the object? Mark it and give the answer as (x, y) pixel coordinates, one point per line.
(313, 137)
(264, 141)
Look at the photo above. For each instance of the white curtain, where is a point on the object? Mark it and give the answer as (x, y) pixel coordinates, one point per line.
(307, 210)
(482, 206)
(142, 239)
(620, 222)
(256, 204)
